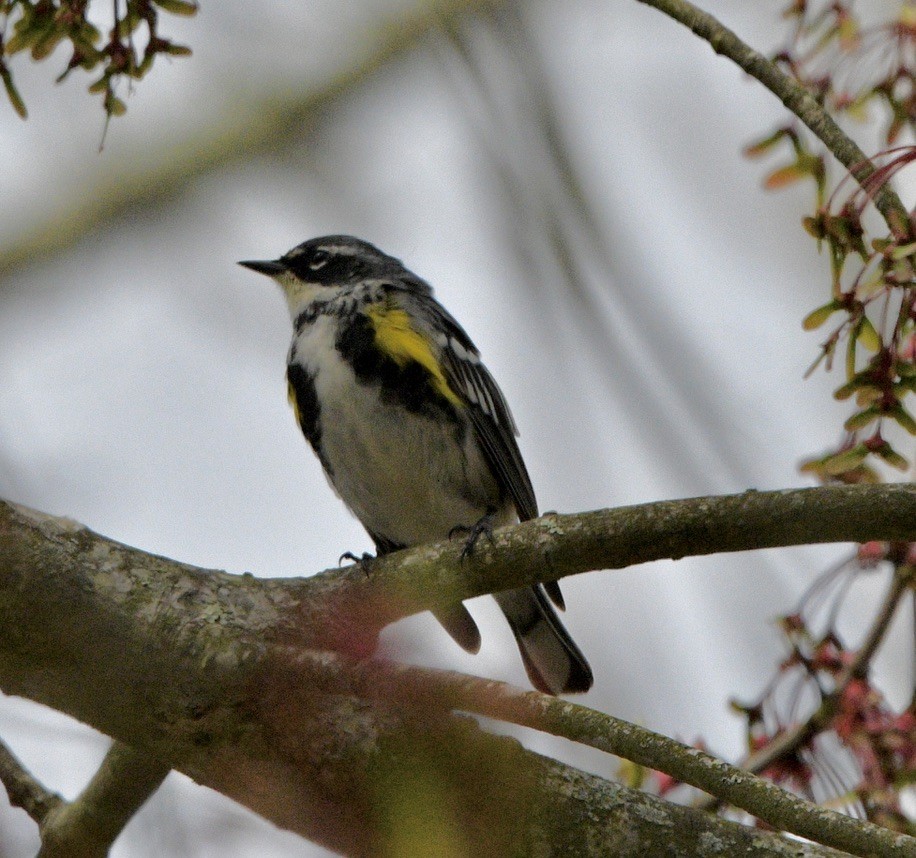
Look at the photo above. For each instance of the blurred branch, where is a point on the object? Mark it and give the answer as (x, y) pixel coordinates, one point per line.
(23, 789)
(521, 133)
(500, 72)
(88, 826)
(519, 40)
(795, 97)
(762, 799)
(904, 580)
(267, 124)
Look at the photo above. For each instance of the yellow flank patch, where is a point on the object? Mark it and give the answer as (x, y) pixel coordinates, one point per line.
(291, 396)
(397, 338)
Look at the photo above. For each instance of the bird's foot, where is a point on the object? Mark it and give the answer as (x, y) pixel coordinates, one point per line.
(482, 527)
(365, 561)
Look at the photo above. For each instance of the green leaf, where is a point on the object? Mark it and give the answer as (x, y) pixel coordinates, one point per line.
(45, 46)
(868, 395)
(86, 37)
(19, 41)
(892, 457)
(871, 285)
(903, 417)
(784, 176)
(861, 419)
(761, 147)
(845, 461)
(145, 65)
(814, 226)
(177, 7)
(902, 272)
(817, 317)
(903, 250)
(868, 336)
(851, 355)
(854, 385)
(113, 105)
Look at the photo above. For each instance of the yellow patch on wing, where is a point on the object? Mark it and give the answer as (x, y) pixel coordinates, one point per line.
(291, 396)
(398, 339)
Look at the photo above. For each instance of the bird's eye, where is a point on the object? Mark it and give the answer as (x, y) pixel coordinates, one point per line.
(319, 259)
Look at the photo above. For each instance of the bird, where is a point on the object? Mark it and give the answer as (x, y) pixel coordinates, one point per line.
(412, 432)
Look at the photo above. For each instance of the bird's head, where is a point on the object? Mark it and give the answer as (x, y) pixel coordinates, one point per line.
(323, 268)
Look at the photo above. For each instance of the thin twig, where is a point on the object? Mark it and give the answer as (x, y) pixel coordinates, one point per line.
(794, 96)
(904, 577)
(23, 789)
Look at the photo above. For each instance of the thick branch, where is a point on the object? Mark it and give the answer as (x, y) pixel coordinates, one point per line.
(181, 664)
(794, 96)
(344, 608)
(768, 802)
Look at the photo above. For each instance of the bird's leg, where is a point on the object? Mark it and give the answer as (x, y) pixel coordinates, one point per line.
(482, 527)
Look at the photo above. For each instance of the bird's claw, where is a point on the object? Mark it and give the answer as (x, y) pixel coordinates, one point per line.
(482, 527)
(365, 560)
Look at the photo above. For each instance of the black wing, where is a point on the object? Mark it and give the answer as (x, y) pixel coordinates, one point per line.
(490, 416)
(493, 424)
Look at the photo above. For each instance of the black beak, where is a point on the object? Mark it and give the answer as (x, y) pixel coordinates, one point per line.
(270, 268)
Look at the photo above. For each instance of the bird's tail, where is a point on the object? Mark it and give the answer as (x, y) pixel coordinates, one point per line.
(555, 665)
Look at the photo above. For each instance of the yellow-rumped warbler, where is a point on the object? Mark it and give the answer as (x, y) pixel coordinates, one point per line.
(412, 431)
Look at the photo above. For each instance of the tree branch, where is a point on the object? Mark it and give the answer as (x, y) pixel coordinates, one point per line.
(554, 546)
(343, 609)
(88, 826)
(762, 799)
(795, 97)
(23, 789)
(184, 665)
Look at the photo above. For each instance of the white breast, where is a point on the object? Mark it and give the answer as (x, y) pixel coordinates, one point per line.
(407, 477)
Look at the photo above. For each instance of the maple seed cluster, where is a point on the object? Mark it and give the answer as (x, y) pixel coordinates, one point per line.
(852, 69)
(39, 26)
